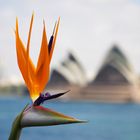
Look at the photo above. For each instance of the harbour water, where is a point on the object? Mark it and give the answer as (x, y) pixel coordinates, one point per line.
(106, 121)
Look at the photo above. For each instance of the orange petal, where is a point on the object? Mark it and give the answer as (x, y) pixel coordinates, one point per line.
(31, 76)
(21, 58)
(54, 40)
(42, 72)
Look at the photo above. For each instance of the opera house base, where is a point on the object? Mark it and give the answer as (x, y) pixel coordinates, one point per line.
(104, 93)
(116, 93)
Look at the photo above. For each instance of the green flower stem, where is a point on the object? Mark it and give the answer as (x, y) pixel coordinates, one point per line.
(16, 127)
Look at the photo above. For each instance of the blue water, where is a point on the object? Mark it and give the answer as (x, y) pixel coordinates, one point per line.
(106, 121)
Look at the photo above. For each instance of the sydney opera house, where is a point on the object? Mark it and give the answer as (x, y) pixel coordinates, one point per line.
(115, 81)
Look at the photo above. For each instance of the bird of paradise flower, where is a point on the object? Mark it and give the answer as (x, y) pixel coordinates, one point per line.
(36, 80)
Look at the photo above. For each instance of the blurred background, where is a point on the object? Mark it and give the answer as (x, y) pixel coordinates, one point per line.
(96, 56)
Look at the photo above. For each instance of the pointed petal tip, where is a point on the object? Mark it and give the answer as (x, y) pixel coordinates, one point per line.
(33, 13)
(17, 24)
(82, 121)
(54, 28)
(74, 120)
(58, 19)
(16, 19)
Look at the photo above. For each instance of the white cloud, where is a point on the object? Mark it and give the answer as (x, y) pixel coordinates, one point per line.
(88, 27)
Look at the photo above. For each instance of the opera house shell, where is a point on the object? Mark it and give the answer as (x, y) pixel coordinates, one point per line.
(115, 80)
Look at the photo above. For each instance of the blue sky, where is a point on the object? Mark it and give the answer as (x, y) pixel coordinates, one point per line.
(88, 28)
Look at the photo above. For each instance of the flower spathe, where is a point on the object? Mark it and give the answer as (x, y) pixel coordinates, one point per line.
(37, 77)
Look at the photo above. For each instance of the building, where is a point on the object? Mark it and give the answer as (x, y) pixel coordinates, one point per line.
(114, 82)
